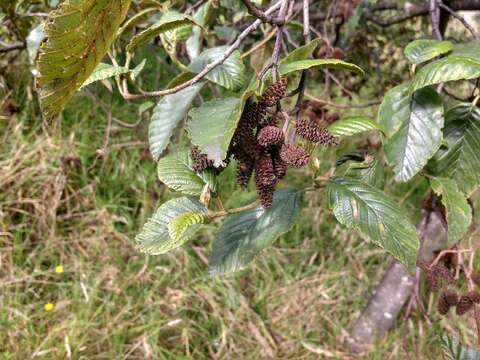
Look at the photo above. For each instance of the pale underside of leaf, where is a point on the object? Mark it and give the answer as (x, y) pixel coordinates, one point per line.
(104, 71)
(352, 125)
(155, 239)
(167, 114)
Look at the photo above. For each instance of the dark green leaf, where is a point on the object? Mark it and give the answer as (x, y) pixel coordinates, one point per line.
(419, 136)
(302, 53)
(288, 68)
(422, 50)
(460, 160)
(155, 239)
(395, 109)
(135, 19)
(361, 206)
(370, 171)
(457, 208)
(176, 171)
(78, 35)
(230, 75)
(450, 68)
(246, 234)
(169, 21)
(352, 125)
(169, 111)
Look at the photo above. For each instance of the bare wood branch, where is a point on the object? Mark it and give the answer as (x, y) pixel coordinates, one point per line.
(259, 14)
(461, 19)
(11, 47)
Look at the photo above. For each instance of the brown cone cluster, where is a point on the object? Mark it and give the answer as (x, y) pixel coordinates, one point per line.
(200, 160)
(274, 93)
(313, 127)
(270, 135)
(448, 298)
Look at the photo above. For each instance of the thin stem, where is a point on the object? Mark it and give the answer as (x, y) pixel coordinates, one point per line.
(225, 212)
(259, 14)
(352, 106)
(435, 16)
(209, 66)
(461, 19)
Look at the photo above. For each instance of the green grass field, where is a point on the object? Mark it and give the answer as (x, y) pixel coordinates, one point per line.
(72, 196)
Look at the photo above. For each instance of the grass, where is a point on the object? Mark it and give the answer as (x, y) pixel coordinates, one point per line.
(64, 202)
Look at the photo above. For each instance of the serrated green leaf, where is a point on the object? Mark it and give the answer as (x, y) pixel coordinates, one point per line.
(458, 211)
(352, 125)
(169, 21)
(394, 109)
(287, 68)
(370, 171)
(383, 221)
(302, 53)
(155, 239)
(422, 50)
(170, 110)
(419, 136)
(469, 49)
(460, 160)
(245, 235)
(180, 224)
(194, 43)
(450, 68)
(230, 74)
(78, 35)
(135, 19)
(212, 126)
(176, 171)
(104, 71)
(453, 350)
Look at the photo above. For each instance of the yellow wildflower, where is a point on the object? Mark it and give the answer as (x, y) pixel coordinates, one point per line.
(48, 306)
(59, 269)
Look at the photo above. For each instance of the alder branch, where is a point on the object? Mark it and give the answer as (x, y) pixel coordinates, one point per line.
(461, 19)
(278, 41)
(259, 14)
(128, 96)
(435, 16)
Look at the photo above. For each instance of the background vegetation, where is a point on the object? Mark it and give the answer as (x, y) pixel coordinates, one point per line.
(75, 192)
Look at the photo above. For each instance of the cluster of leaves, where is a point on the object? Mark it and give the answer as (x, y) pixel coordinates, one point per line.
(419, 136)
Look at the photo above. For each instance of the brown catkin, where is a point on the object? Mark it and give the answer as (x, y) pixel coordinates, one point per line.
(244, 172)
(200, 160)
(280, 168)
(311, 130)
(464, 305)
(265, 193)
(270, 135)
(274, 93)
(264, 171)
(442, 306)
(294, 155)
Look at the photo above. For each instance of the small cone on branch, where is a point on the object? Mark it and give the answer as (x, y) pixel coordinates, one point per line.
(311, 130)
(200, 160)
(442, 306)
(274, 93)
(265, 193)
(294, 155)
(280, 168)
(270, 135)
(464, 305)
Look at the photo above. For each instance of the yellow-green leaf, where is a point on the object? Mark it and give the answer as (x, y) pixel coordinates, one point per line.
(78, 35)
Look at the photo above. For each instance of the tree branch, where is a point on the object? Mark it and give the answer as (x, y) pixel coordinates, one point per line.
(461, 19)
(11, 47)
(207, 68)
(259, 14)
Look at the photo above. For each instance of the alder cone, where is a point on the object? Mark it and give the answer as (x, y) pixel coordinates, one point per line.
(270, 135)
(464, 305)
(265, 193)
(294, 155)
(474, 296)
(200, 160)
(274, 93)
(280, 168)
(442, 306)
(264, 171)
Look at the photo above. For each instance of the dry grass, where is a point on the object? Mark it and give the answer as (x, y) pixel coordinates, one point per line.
(61, 203)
